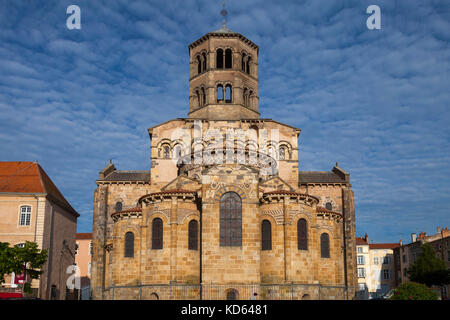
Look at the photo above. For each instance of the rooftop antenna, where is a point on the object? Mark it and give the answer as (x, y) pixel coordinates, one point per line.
(224, 13)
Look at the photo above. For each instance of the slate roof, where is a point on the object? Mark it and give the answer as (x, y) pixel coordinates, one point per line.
(320, 177)
(128, 176)
(29, 177)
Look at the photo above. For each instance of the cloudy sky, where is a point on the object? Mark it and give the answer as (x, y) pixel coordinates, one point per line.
(376, 101)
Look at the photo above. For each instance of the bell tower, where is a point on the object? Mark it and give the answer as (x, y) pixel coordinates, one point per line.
(223, 78)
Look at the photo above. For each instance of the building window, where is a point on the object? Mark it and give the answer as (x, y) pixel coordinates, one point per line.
(25, 215)
(193, 235)
(375, 260)
(360, 249)
(266, 235)
(204, 62)
(90, 248)
(89, 268)
(282, 153)
(329, 206)
(387, 260)
(219, 59)
(230, 220)
(228, 59)
(324, 245)
(404, 258)
(199, 65)
(405, 272)
(361, 273)
(248, 65)
(129, 245)
(361, 260)
(118, 206)
(243, 62)
(302, 235)
(219, 93)
(166, 152)
(228, 93)
(448, 255)
(386, 274)
(157, 234)
(361, 286)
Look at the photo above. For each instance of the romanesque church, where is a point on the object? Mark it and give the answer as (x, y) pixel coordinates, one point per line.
(224, 212)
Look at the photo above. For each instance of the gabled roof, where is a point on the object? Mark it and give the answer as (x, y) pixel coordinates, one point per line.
(29, 178)
(336, 175)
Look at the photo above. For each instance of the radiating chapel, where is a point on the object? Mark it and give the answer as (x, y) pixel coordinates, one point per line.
(194, 228)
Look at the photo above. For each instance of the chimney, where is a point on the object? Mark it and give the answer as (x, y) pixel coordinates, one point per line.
(438, 229)
(413, 237)
(401, 242)
(366, 238)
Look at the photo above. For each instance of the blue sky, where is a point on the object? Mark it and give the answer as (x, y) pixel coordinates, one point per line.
(376, 101)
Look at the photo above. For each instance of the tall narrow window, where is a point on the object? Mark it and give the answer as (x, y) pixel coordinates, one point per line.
(219, 93)
(245, 97)
(118, 206)
(302, 234)
(204, 61)
(199, 100)
(248, 65)
(129, 245)
(324, 245)
(203, 97)
(199, 65)
(282, 153)
(157, 234)
(266, 235)
(219, 59)
(243, 62)
(228, 93)
(228, 59)
(25, 216)
(166, 152)
(193, 235)
(230, 220)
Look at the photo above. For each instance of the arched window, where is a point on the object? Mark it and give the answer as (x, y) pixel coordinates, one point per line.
(302, 234)
(282, 152)
(230, 220)
(228, 59)
(203, 97)
(266, 235)
(219, 59)
(249, 99)
(25, 215)
(245, 97)
(193, 235)
(329, 206)
(243, 62)
(166, 152)
(118, 206)
(248, 65)
(129, 245)
(199, 65)
(219, 93)
(228, 93)
(324, 245)
(204, 61)
(231, 294)
(157, 234)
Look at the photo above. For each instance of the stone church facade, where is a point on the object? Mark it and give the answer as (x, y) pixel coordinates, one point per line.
(224, 212)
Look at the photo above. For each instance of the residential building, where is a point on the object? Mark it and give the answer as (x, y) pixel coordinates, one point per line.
(83, 256)
(375, 268)
(406, 254)
(33, 209)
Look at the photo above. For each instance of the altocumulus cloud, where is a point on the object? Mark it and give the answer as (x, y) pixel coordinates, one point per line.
(375, 101)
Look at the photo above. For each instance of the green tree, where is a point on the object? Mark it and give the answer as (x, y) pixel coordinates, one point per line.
(14, 259)
(414, 291)
(428, 268)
